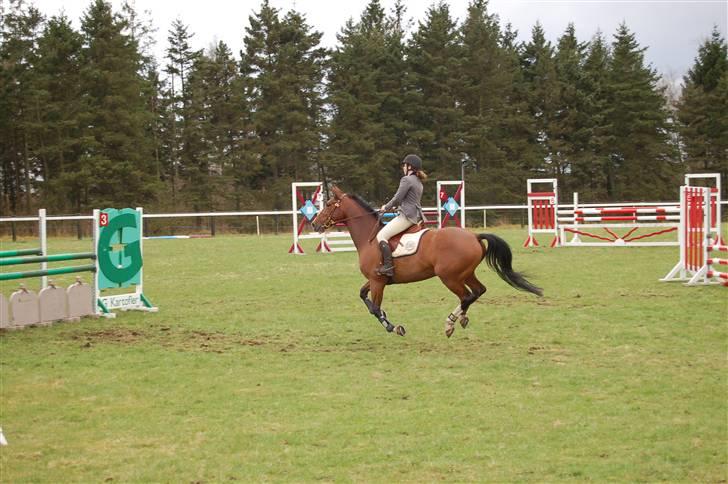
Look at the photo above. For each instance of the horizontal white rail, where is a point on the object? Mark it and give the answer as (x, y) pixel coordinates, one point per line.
(289, 212)
(217, 214)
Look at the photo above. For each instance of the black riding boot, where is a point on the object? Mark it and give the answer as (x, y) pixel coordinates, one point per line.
(387, 267)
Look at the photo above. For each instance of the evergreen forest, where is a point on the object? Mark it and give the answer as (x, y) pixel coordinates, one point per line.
(89, 118)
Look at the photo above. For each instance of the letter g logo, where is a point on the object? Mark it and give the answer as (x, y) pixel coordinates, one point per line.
(132, 250)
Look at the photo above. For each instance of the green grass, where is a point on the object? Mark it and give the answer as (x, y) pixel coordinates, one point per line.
(266, 366)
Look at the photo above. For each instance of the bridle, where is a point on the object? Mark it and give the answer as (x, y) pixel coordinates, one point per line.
(331, 222)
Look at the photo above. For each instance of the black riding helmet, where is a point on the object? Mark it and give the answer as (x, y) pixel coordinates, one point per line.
(412, 160)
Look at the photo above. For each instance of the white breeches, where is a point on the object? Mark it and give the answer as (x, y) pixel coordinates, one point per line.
(398, 224)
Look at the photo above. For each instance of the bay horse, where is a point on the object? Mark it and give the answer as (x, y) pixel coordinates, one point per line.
(451, 253)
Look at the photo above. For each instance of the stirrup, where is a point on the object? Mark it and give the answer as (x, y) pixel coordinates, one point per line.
(385, 271)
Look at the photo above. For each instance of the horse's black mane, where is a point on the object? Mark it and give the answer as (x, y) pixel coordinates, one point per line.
(363, 204)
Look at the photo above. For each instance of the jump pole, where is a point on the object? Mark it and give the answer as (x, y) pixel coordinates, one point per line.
(662, 219)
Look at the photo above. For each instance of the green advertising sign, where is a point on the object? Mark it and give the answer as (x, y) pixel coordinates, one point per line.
(119, 248)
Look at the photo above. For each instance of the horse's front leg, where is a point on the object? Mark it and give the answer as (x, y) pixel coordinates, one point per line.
(373, 305)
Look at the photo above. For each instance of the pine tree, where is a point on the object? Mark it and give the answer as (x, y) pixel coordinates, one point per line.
(164, 136)
(488, 90)
(258, 66)
(283, 68)
(393, 145)
(433, 115)
(228, 126)
(140, 28)
(19, 101)
(520, 155)
(197, 150)
(638, 138)
(366, 93)
(301, 71)
(539, 76)
(569, 130)
(181, 57)
(216, 126)
(154, 97)
(60, 142)
(177, 138)
(117, 161)
(703, 109)
(593, 174)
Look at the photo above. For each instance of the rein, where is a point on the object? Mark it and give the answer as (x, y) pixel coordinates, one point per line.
(331, 222)
(375, 229)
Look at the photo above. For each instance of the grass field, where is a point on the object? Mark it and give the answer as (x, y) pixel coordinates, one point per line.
(263, 366)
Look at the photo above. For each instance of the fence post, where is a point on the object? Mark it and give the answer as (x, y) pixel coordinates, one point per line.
(257, 224)
(212, 226)
(42, 227)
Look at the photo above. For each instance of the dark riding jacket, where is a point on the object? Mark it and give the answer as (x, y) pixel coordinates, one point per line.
(408, 199)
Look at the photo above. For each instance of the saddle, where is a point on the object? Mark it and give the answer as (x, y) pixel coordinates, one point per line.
(407, 242)
(394, 241)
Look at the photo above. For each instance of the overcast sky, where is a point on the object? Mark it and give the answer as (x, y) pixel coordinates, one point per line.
(672, 30)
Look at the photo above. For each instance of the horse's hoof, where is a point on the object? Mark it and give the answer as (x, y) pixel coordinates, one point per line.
(449, 331)
(400, 330)
(464, 321)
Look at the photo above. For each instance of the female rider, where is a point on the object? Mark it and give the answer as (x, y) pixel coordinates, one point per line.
(409, 209)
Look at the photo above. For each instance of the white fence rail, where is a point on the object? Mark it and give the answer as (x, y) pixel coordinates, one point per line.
(267, 213)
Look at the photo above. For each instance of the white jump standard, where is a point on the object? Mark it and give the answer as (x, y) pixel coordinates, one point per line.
(715, 206)
(307, 207)
(542, 207)
(697, 244)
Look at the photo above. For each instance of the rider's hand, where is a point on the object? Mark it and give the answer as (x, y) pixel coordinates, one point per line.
(382, 209)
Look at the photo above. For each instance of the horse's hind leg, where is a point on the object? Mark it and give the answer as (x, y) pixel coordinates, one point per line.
(457, 286)
(477, 289)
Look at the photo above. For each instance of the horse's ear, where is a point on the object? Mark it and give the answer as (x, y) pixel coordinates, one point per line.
(338, 193)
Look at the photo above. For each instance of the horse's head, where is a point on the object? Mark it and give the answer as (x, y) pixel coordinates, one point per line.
(332, 212)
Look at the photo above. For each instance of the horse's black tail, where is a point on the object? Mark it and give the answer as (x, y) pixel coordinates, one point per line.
(498, 256)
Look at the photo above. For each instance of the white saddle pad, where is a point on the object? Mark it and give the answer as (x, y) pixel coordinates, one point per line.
(408, 244)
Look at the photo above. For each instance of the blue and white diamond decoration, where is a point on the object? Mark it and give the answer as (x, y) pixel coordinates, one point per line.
(309, 210)
(451, 206)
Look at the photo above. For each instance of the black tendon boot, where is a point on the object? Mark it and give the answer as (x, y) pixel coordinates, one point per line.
(387, 268)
